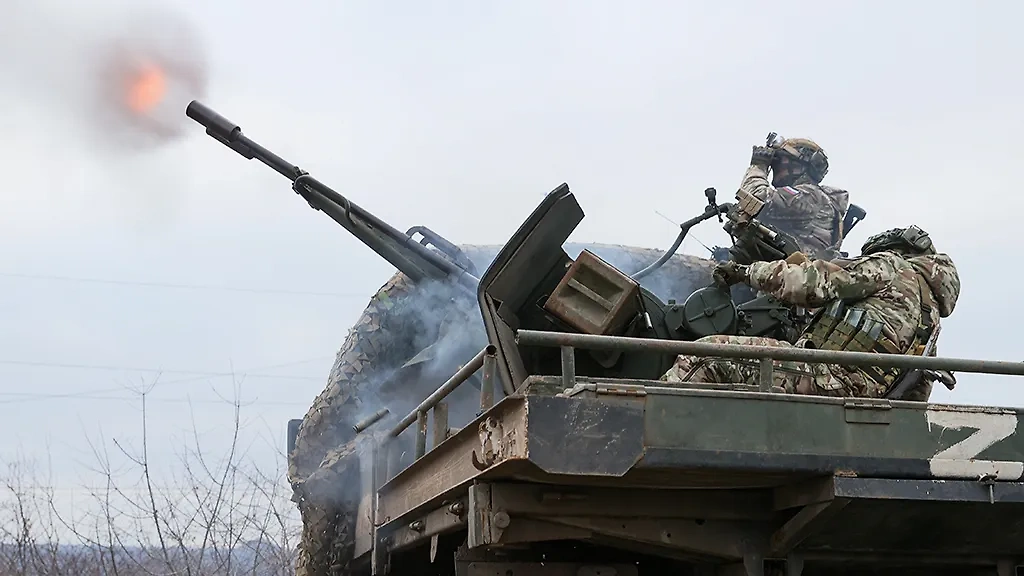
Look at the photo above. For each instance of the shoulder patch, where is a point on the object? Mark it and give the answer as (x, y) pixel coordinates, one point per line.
(790, 190)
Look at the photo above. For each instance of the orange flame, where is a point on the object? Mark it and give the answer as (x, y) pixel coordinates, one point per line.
(146, 89)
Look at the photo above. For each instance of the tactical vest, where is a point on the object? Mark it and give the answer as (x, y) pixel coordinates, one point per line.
(842, 327)
(832, 251)
(836, 235)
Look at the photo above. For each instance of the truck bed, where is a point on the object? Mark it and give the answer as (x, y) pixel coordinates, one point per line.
(719, 475)
(574, 473)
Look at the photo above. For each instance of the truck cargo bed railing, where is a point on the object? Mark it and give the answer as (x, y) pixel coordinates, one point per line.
(766, 354)
(434, 403)
(569, 342)
(541, 458)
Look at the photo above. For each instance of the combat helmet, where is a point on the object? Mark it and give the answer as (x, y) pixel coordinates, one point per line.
(913, 240)
(806, 153)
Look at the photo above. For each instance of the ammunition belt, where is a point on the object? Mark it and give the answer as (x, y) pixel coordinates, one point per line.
(851, 329)
(837, 327)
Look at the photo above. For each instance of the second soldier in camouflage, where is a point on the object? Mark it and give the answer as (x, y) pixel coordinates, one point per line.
(888, 300)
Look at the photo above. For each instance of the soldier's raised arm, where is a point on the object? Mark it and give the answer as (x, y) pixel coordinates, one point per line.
(813, 283)
(755, 180)
(791, 199)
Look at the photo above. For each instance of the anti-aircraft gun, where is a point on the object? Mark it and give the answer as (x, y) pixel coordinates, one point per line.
(573, 296)
(633, 310)
(589, 465)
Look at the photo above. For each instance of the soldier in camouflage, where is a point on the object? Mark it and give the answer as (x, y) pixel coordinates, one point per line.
(888, 300)
(795, 201)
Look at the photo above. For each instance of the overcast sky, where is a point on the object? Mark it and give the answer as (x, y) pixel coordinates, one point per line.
(459, 116)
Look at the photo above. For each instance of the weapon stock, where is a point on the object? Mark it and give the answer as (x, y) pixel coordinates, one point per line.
(413, 258)
(912, 378)
(854, 214)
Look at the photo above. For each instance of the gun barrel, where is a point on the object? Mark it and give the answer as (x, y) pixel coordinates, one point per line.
(230, 134)
(370, 420)
(215, 124)
(767, 231)
(401, 250)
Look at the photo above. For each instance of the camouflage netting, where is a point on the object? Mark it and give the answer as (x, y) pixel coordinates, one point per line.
(386, 346)
(328, 520)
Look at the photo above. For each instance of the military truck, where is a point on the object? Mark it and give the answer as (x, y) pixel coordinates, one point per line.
(580, 461)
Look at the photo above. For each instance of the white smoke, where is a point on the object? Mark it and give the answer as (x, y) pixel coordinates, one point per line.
(451, 330)
(446, 331)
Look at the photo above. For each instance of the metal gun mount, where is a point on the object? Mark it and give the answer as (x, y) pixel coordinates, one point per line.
(537, 286)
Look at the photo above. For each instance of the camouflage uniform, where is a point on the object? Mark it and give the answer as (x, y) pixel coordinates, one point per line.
(894, 290)
(795, 201)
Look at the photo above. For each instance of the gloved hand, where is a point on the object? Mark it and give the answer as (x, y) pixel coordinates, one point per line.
(797, 258)
(762, 155)
(729, 273)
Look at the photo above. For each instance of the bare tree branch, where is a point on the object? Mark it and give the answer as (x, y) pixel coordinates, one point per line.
(211, 514)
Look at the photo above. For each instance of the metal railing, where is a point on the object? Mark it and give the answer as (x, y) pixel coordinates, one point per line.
(568, 342)
(766, 354)
(439, 410)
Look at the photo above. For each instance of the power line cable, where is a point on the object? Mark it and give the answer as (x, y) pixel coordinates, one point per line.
(200, 373)
(87, 394)
(147, 284)
(49, 397)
